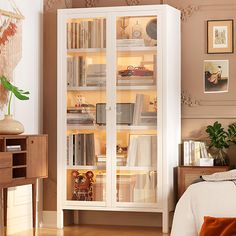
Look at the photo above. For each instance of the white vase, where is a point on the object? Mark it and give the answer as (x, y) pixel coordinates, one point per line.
(10, 126)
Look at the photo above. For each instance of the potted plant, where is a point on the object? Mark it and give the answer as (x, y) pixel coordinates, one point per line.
(220, 140)
(8, 125)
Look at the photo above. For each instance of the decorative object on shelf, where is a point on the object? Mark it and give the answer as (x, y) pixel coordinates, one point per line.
(151, 29)
(216, 79)
(9, 125)
(124, 23)
(137, 31)
(135, 71)
(83, 186)
(220, 36)
(132, 2)
(220, 140)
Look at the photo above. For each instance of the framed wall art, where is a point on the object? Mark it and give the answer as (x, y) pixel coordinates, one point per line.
(216, 76)
(220, 36)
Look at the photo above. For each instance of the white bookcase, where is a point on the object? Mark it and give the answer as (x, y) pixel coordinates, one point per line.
(118, 109)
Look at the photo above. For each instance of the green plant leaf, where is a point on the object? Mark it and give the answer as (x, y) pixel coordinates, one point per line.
(19, 93)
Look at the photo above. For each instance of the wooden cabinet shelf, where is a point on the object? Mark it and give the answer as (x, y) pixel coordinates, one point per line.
(29, 162)
(23, 160)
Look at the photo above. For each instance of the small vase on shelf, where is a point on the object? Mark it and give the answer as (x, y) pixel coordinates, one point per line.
(10, 126)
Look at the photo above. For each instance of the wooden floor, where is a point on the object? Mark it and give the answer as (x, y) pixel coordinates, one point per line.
(94, 230)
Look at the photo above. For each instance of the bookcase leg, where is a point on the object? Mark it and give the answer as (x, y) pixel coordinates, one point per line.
(2, 228)
(60, 220)
(5, 206)
(165, 222)
(34, 204)
(76, 217)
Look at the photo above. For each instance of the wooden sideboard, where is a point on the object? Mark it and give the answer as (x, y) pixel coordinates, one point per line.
(23, 160)
(188, 174)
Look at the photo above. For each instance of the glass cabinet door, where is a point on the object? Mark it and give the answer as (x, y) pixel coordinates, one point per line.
(136, 110)
(86, 113)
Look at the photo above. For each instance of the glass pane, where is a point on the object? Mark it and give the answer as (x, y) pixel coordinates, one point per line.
(86, 131)
(136, 109)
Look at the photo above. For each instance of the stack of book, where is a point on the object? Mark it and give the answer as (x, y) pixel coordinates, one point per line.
(193, 152)
(135, 80)
(120, 160)
(80, 116)
(142, 151)
(148, 118)
(81, 74)
(96, 75)
(81, 149)
(86, 34)
(130, 43)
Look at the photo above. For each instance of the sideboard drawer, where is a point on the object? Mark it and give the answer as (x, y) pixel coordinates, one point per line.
(6, 175)
(5, 159)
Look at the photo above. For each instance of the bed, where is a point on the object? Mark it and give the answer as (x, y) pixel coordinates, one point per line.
(216, 199)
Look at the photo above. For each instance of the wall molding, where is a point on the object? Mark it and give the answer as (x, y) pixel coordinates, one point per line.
(51, 5)
(188, 11)
(90, 3)
(132, 2)
(188, 100)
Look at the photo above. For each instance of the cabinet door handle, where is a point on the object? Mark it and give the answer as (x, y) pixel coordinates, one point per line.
(108, 108)
(32, 141)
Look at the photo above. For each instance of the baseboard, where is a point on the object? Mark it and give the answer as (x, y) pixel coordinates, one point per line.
(49, 219)
(106, 218)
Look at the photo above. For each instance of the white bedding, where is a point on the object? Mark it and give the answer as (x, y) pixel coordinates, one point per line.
(217, 199)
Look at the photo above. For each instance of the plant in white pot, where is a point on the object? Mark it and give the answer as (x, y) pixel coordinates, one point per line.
(220, 140)
(8, 125)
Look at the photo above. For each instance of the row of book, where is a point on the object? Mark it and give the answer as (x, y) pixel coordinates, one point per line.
(130, 188)
(86, 34)
(81, 149)
(193, 152)
(81, 115)
(81, 74)
(142, 151)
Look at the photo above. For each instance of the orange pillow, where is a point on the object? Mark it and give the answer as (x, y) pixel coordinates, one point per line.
(218, 226)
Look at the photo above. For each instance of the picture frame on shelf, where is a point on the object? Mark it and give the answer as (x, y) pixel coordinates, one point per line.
(220, 36)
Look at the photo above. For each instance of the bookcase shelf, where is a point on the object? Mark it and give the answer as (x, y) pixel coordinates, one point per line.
(135, 168)
(118, 127)
(119, 87)
(119, 49)
(79, 167)
(86, 50)
(102, 127)
(135, 50)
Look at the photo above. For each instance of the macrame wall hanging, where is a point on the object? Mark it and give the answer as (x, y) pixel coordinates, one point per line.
(10, 45)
